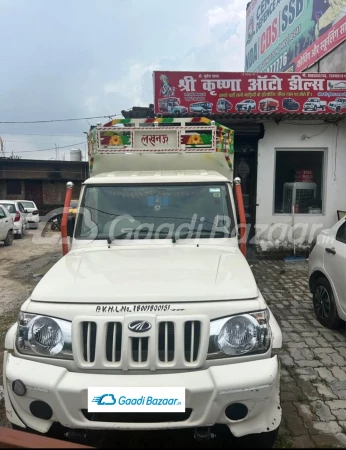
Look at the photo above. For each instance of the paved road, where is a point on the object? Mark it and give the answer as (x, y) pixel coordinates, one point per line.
(313, 358)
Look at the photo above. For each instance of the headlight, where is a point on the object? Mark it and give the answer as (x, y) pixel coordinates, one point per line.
(239, 335)
(45, 336)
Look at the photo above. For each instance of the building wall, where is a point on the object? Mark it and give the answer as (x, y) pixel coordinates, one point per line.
(276, 229)
(54, 192)
(335, 61)
(42, 181)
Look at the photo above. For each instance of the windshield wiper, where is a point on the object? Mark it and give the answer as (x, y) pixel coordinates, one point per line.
(131, 233)
(194, 232)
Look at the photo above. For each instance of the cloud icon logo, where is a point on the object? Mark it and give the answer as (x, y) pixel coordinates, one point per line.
(105, 399)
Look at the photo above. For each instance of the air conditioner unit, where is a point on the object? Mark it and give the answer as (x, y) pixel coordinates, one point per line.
(300, 195)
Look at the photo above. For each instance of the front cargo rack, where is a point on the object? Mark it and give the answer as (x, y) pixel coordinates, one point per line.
(160, 136)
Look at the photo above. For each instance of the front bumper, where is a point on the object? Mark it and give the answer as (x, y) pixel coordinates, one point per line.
(256, 384)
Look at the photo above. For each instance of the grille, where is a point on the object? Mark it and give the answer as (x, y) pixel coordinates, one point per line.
(174, 343)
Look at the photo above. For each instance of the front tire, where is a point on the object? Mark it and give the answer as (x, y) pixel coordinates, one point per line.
(324, 305)
(9, 238)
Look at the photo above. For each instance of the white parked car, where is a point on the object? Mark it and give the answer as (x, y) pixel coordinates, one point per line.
(18, 214)
(327, 275)
(32, 214)
(6, 226)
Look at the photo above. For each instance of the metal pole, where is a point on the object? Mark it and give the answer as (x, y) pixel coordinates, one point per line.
(242, 217)
(68, 197)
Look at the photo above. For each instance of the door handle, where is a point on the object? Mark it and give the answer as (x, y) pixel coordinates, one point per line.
(331, 250)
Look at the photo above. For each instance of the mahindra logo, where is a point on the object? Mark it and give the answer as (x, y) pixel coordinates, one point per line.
(140, 326)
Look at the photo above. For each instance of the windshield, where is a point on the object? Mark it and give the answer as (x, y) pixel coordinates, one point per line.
(28, 204)
(10, 207)
(155, 211)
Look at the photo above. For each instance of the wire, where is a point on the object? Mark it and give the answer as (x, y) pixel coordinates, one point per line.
(305, 136)
(36, 134)
(31, 142)
(109, 116)
(47, 149)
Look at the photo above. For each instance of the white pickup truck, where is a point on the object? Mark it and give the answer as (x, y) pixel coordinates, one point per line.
(153, 319)
(314, 104)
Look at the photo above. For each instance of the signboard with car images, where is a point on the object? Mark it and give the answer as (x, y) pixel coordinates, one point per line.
(292, 35)
(203, 93)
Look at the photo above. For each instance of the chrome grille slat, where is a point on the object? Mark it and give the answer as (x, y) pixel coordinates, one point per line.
(173, 342)
(88, 342)
(192, 340)
(166, 342)
(140, 351)
(114, 342)
(89, 331)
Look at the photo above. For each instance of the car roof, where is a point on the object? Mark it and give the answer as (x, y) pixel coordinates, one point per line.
(8, 201)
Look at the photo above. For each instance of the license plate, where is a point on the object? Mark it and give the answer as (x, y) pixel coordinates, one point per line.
(136, 399)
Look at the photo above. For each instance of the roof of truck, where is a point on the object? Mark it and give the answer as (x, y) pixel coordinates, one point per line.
(160, 176)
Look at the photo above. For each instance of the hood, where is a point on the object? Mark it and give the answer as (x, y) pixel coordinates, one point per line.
(127, 274)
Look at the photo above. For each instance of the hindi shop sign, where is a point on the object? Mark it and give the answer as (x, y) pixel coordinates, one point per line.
(292, 35)
(184, 93)
(156, 139)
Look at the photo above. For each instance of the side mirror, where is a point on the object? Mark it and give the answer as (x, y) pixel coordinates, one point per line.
(70, 225)
(26, 211)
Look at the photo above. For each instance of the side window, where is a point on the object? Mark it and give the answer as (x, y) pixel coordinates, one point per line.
(2, 213)
(341, 234)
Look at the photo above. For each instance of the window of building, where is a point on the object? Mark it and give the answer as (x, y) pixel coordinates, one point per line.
(14, 187)
(299, 181)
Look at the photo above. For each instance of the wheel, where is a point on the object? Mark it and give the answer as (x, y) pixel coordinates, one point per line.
(9, 238)
(337, 109)
(324, 304)
(315, 108)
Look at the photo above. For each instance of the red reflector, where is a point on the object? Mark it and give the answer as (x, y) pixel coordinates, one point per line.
(17, 218)
(34, 213)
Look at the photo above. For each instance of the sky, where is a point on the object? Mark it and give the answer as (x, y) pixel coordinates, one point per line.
(82, 58)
